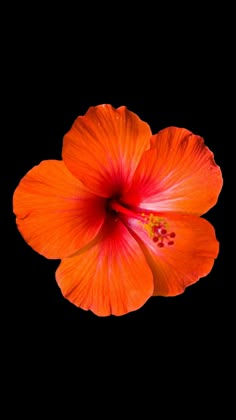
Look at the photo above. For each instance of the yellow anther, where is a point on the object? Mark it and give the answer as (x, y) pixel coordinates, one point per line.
(152, 223)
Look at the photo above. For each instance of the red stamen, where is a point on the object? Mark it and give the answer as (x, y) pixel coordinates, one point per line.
(161, 234)
(163, 231)
(156, 227)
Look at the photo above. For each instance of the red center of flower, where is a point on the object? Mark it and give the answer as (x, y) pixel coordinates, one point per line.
(156, 227)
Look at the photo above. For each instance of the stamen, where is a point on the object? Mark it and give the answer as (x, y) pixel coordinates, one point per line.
(157, 228)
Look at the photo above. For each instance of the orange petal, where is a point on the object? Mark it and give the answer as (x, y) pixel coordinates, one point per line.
(103, 148)
(178, 173)
(55, 214)
(179, 265)
(110, 277)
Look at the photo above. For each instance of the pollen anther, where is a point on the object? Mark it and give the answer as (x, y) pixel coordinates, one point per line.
(157, 228)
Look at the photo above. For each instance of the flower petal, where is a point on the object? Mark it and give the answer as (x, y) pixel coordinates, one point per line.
(103, 148)
(177, 174)
(55, 214)
(110, 277)
(179, 265)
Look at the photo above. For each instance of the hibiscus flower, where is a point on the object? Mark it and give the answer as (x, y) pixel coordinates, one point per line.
(122, 211)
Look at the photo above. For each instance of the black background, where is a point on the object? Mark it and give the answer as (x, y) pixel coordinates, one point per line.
(54, 76)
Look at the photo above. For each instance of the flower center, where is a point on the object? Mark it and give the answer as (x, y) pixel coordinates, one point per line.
(156, 227)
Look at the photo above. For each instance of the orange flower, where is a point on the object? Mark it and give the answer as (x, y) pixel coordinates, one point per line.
(122, 211)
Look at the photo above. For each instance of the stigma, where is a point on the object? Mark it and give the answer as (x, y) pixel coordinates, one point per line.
(158, 230)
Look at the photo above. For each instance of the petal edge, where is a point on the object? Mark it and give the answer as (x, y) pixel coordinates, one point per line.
(54, 212)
